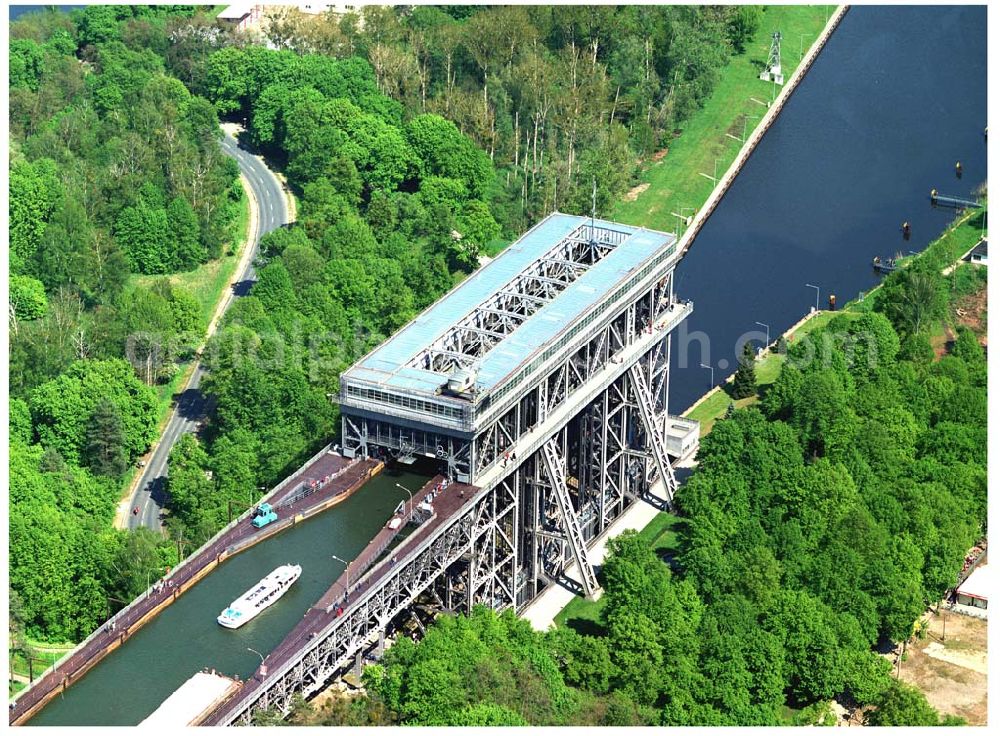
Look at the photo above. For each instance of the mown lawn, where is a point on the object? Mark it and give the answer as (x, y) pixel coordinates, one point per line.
(676, 180)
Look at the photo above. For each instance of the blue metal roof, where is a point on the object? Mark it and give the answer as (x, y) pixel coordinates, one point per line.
(387, 364)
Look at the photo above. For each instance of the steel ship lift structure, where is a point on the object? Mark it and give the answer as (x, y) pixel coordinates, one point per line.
(540, 387)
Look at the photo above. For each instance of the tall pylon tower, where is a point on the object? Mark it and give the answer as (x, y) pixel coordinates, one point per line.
(772, 70)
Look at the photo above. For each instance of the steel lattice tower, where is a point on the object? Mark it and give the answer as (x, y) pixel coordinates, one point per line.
(772, 70)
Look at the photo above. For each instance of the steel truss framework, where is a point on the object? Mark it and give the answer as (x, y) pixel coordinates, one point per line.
(367, 437)
(591, 428)
(477, 548)
(507, 309)
(559, 385)
(509, 542)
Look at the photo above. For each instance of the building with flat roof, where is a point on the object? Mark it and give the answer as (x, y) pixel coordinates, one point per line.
(976, 588)
(504, 327)
(543, 379)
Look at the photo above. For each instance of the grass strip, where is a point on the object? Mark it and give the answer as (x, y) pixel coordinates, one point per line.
(709, 140)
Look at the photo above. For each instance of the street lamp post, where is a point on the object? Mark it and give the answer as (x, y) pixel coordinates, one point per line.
(683, 219)
(767, 331)
(680, 224)
(713, 373)
(811, 286)
(263, 667)
(107, 603)
(229, 507)
(409, 492)
(347, 572)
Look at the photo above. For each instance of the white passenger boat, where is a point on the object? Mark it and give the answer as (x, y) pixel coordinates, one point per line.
(260, 596)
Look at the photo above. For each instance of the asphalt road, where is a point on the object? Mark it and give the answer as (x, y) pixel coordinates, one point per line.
(192, 405)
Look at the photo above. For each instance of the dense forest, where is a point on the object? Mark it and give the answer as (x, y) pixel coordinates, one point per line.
(558, 96)
(115, 171)
(814, 529)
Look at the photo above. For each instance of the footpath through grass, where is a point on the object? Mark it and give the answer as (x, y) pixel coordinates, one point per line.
(209, 281)
(710, 139)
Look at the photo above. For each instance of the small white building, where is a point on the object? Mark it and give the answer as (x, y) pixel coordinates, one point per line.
(975, 590)
(978, 254)
(241, 15)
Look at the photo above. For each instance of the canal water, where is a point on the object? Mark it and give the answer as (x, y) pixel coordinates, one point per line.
(894, 100)
(133, 680)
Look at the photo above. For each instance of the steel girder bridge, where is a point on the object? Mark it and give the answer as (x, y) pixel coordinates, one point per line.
(565, 425)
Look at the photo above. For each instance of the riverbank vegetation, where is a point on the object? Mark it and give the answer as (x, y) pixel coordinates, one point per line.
(557, 96)
(676, 180)
(965, 285)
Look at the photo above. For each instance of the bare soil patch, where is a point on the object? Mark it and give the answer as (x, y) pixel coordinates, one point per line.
(951, 672)
(971, 311)
(634, 192)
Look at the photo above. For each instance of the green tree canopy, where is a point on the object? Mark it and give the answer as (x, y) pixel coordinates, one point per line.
(62, 407)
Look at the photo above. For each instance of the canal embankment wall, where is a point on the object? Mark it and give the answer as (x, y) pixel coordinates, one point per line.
(130, 619)
(701, 216)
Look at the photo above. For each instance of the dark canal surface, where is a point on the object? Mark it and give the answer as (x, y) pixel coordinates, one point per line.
(133, 680)
(894, 100)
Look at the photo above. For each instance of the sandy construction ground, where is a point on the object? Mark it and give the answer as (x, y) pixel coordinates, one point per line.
(951, 672)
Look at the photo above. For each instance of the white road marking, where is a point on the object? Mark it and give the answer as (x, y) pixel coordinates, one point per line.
(263, 183)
